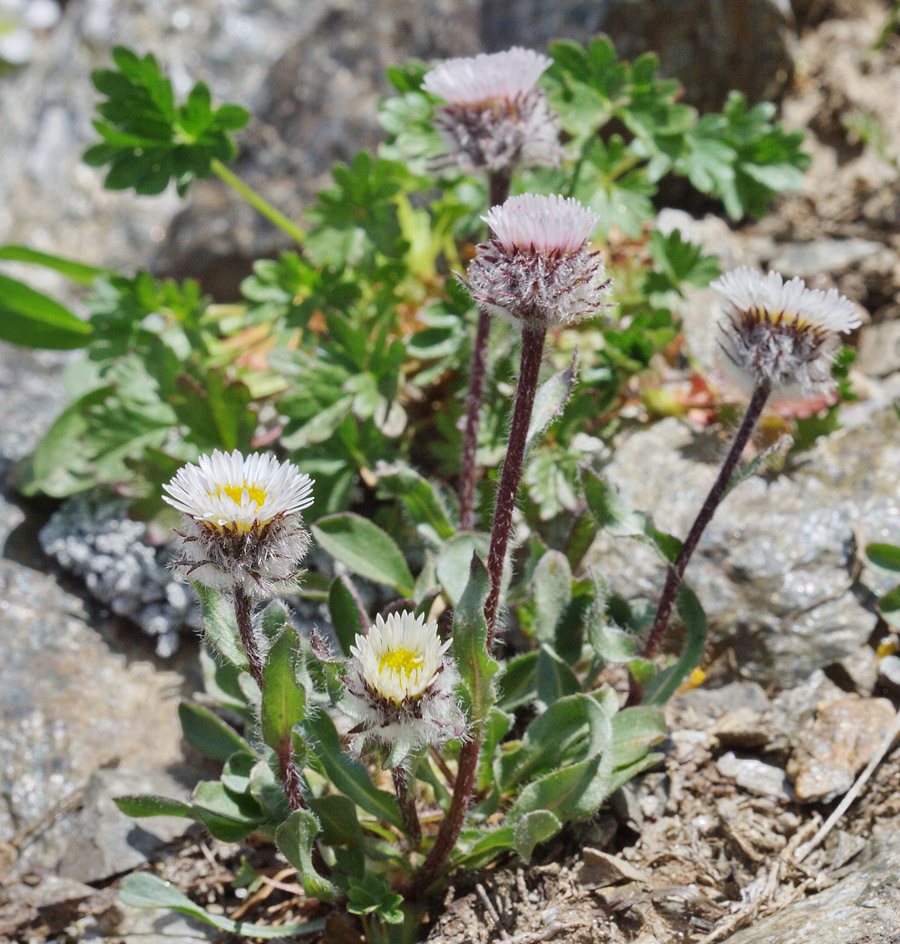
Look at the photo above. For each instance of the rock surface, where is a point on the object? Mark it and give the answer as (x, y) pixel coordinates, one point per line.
(71, 700)
(863, 908)
(775, 569)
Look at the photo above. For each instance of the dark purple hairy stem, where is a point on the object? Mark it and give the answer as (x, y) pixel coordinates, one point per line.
(498, 182)
(713, 500)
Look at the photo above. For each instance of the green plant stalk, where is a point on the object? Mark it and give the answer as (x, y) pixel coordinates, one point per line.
(532, 352)
(273, 215)
(290, 775)
(498, 185)
(718, 491)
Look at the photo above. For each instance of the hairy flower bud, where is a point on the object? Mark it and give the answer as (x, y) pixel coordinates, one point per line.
(496, 117)
(241, 522)
(535, 267)
(401, 685)
(781, 333)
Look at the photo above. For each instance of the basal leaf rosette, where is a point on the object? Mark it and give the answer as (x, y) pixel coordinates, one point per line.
(780, 333)
(401, 686)
(495, 117)
(241, 521)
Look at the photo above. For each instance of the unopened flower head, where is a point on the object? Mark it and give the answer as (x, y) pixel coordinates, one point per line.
(781, 333)
(496, 117)
(241, 522)
(401, 684)
(536, 267)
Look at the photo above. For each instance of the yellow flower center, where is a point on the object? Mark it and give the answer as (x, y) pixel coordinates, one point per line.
(235, 492)
(403, 661)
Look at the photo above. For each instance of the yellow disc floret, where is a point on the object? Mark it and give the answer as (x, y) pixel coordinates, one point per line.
(236, 492)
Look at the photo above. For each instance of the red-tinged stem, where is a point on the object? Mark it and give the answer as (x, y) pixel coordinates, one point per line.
(407, 807)
(532, 351)
(713, 500)
(498, 183)
(243, 612)
(290, 777)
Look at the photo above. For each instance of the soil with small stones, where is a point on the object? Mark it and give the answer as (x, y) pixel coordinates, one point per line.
(690, 856)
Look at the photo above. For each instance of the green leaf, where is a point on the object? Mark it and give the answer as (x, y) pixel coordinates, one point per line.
(516, 682)
(421, 499)
(228, 816)
(572, 728)
(31, 319)
(620, 520)
(485, 848)
(296, 837)
(549, 401)
(143, 890)
(153, 805)
(348, 775)
(634, 731)
(889, 607)
(885, 556)
(76, 271)
(372, 895)
(552, 587)
(365, 549)
(455, 560)
(338, 820)
(209, 734)
(533, 828)
(146, 139)
(666, 683)
(284, 700)
(573, 793)
(220, 625)
(348, 616)
(554, 678)
(469, 647)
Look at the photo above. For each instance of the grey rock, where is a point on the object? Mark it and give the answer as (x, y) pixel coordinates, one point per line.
(708, 705)
(105, 842)
(317, 105)
(889, 674)
(774, 567)
(92, 536)
(711, 46)
(879, 348)
(794, 708)
(857, 672)
(821, 256)
(755, 776)
(862, 908)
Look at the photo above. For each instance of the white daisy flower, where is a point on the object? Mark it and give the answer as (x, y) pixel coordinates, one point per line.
(241, 521)
(536, 266)
(401, 685)
(495, 117)
(781, 333)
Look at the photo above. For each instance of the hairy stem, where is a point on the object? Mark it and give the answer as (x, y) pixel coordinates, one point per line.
(243, 612)
(498, 182)
(713, 500)
(532, 352)
(290, 777)
(407, 806)
(257, 201)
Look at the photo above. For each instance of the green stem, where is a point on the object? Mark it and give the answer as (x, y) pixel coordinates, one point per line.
(258, 202)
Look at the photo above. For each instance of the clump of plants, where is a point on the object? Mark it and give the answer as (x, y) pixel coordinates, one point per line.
(347, 402)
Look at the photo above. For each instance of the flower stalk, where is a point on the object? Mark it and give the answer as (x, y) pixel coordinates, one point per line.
(718, 491)
(498, 184)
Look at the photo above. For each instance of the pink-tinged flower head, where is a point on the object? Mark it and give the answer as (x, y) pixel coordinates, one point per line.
(495, 117)
(781, 333)
(536, 267)
(241, 522)
(473, 80)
